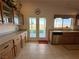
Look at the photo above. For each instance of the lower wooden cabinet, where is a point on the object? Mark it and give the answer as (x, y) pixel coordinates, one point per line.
(76, 40)
(23, 39)
(0, 57)
(7, 55)
(17, 46)
(12, 48)
(7, 50)
(66, 38)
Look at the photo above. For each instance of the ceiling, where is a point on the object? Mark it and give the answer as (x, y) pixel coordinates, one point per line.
(64, 3)
(73, 1)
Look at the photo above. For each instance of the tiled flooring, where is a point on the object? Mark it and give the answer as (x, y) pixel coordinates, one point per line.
(44, 51)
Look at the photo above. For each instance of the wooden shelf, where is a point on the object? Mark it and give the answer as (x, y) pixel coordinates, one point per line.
(6, 5)
(6, 11)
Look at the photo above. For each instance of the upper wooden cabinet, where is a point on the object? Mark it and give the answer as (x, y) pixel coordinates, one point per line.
(21, 19)
(15, 17)
(18, 17)
(0, 14)
(10, 13)
(6, 13)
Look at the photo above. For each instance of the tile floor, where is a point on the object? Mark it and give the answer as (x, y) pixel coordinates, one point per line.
(45, 51)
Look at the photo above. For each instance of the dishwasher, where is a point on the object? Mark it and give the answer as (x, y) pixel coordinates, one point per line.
(56, 37)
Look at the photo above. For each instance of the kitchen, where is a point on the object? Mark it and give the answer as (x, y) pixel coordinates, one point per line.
(48, 27)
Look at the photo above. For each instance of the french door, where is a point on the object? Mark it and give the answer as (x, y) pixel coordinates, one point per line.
(37, 28)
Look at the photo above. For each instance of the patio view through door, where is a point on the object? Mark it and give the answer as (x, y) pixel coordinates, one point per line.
(37, 28)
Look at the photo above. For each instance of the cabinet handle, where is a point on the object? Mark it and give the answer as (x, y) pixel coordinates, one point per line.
(5, 47)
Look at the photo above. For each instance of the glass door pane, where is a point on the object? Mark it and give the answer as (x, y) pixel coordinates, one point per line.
(42, 27)
(32, 27)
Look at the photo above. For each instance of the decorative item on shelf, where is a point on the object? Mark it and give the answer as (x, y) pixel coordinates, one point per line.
(37, 11)
(7, 2)
(14, 2)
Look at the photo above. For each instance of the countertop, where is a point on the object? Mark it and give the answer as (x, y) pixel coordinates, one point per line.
(64, 31)
(10, 36)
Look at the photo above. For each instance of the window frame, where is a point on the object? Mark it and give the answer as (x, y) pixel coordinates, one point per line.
(63, 28)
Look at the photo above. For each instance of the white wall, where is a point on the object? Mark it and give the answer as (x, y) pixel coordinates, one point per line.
(47, 10)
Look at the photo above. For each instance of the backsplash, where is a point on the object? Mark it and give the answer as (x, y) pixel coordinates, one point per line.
(7, 28)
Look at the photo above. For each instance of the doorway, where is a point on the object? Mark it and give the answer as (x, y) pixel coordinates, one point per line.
(37, 28)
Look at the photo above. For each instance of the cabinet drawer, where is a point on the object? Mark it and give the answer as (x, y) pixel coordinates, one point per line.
(6, 46)
(23, 35)
(17, 40)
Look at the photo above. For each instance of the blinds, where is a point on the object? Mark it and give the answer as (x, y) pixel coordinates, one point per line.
(64, 16)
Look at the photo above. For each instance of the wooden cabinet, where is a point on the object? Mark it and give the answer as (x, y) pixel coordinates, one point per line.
(21, 19)
(18, 17)
(1, 13)
(23, 39)
(6, 50)
(17, 45)
(9, 13)
(12, 48)
(6, 12)
(66, 38)
(0, 57)
(7, 55)
(71, 37)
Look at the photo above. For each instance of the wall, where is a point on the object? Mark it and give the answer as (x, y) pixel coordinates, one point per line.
(7, 28)
(48, 10)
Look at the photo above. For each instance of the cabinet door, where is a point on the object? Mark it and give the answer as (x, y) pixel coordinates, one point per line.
(0, 57)
(21, 19)
(17, 44)
(25, 37)
(22, 40)
(0, 14)
(68, 40)
(18, 48)
(8, 54)
(76, 40)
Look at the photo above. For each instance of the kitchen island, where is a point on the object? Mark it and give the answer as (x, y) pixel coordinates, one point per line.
(64, 37)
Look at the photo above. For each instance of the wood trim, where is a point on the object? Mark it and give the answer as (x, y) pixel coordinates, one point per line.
(65, 16)
(1, 10)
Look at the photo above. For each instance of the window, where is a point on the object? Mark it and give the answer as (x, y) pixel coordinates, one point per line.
(58, 23)
(63, 23)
